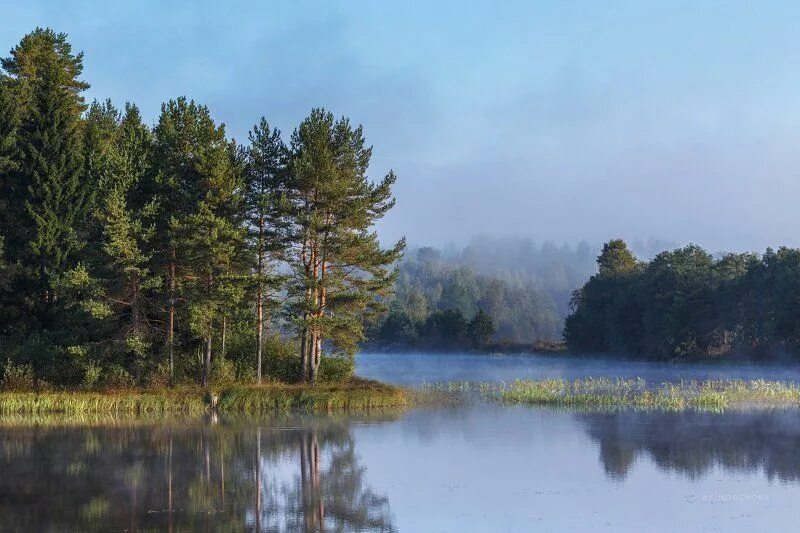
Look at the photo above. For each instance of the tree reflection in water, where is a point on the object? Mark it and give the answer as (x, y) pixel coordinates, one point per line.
(252, 475)
(693, 443)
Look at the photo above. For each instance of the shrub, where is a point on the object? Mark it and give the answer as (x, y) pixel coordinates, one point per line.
(18, 378)
(336, 369)
(159, 376)
(116, 377)
(281, 360)
(91, 376)
(223, 371)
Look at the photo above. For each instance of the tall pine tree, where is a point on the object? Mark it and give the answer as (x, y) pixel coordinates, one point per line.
(200, 228)
(265, 182)
(340, 269)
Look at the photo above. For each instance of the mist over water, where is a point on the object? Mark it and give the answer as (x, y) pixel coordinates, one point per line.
(415, 369)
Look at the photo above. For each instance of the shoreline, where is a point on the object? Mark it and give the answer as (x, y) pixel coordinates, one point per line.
(364, 395)
(241, 399)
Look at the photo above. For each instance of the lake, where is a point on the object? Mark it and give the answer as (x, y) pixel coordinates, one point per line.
(474, 467)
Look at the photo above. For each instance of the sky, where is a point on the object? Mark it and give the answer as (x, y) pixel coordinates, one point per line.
(559, 121)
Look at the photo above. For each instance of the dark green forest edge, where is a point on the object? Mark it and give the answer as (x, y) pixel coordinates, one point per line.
(687, 303)
(173, 256)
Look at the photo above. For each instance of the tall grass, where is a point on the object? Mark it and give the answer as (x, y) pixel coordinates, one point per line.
(188, 401)
(601, 392)
(356, 394)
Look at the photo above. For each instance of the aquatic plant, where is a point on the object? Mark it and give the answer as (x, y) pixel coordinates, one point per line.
(603, 392)
(354, 394)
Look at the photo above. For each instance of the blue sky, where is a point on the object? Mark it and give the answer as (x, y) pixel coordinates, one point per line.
(554, 120)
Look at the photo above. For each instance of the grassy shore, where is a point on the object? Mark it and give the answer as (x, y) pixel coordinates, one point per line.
(637, 393)
(354, 394)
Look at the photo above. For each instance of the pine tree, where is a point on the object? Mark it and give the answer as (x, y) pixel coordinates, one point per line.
(200, 231)
(265, 180)
(340, 269)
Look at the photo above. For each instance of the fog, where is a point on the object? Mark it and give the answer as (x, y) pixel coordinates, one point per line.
(416, 369)
(566, 122)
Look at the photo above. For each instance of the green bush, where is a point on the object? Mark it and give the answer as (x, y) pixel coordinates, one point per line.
(116, 377)
(159, 376)
(336, 369)
(18, 378)
(91, 376)
(223, 371)
(281, 360)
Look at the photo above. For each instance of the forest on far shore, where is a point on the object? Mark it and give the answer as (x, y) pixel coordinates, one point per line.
(687, 302)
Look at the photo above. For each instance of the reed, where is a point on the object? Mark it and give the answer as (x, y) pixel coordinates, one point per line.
(355, 394)
(128, 402)
(601, 392)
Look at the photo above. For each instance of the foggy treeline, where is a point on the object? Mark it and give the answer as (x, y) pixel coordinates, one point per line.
(522, 287)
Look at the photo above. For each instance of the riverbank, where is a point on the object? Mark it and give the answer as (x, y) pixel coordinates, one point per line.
(248, 399)
(638, 393)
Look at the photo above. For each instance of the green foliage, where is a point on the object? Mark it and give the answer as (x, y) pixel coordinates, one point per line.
(336, 369)
(129, 254)
(686, 303)
(480, 328)
(615, 259)
(115, 377)
(45, 197)
(223, 372)
(434, 301)
(339, 267)
(282, 363)
(17, 378)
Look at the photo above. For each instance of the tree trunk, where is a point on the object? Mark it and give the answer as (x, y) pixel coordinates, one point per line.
(224, 330)
(259, 331)
(206, 360)
(305, 344)
(260, 299)
(316, 354)
(171, 321)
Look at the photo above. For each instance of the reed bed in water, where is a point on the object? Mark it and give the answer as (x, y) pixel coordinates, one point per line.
(355, 394)
(80, 402)
(601, 393)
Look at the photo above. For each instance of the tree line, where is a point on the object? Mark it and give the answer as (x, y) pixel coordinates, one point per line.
(127, 250)
(442, 305)
(686, 302)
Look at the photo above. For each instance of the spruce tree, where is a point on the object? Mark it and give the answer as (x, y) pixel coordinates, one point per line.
(45, 193)
(8, 164)
(116, 286)
(340, 269)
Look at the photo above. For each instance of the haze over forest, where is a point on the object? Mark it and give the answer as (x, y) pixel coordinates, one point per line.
(550, 121)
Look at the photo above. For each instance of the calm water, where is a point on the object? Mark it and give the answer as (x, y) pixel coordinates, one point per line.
(412, 369)
(476, 467)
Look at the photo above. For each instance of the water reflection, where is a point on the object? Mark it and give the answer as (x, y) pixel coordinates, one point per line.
(694, 443)
(243, 476)
(473, 467)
